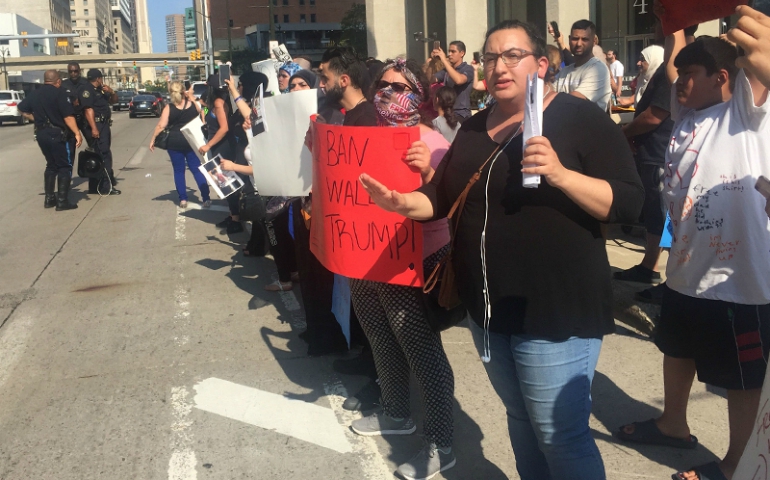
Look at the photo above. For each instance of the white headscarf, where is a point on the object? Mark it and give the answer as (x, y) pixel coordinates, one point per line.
(653, 55)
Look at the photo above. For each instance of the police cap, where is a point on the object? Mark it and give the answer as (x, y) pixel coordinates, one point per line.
(93, 74)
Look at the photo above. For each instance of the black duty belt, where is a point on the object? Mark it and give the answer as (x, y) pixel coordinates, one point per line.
(103, 119)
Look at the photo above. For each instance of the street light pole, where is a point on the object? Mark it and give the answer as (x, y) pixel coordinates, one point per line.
(6, 83)
(229, 30)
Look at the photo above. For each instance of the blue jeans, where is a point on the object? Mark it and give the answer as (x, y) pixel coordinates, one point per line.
(178, 159)
(545, 386)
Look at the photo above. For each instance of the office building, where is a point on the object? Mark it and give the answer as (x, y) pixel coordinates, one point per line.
(52, 15)
(143, 38)
(13, 24)
(175, 40)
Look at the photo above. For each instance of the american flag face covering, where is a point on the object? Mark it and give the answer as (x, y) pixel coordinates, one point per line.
(397, 109)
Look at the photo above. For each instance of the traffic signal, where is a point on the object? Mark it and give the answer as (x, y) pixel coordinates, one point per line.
(192, 54)
(198, 54)
(134, 65)
(24, 42)
(165, 63)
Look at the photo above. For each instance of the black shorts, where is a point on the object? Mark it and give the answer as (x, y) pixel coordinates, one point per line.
(652, 211)
(728, 341)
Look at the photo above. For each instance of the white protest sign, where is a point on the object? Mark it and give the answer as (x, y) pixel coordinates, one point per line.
(755, 462)
(533, 122)
(270, 68)
(283, 165)
(194, 135)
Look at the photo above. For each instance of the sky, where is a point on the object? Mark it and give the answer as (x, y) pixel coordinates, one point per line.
(157, 10)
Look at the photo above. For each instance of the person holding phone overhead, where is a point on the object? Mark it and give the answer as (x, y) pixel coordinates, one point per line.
(456, 74)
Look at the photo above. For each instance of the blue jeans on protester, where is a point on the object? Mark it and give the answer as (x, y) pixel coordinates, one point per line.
(178, 159)
(545, 386)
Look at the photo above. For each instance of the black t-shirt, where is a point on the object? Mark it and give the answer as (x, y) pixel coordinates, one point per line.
(651, 146)
(362, 115)
(97, 99)
(72, 91)
(48, 103)
(547, 268)
(178, 118)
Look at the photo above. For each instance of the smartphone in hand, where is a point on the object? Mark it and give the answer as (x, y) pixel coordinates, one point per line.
(224, 74)
(763, 186)
(187, 85)
(436, 44)
(761, 6)
(556, 32)
(477, 57)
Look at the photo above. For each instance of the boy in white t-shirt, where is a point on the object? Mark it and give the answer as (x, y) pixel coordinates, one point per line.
(715, 316)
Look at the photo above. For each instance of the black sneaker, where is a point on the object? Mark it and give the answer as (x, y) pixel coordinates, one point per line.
(225, 223)
(653, 295)
(638, 274)
(234, 227)
(368, 398)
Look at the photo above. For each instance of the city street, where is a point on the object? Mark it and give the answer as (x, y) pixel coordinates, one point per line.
(137, 342)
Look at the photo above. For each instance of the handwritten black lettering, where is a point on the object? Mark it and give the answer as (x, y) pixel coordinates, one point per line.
(396, 238)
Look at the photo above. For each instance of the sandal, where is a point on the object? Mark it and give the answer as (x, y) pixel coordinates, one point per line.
(648, 433)
(279, 287)
(709, 471)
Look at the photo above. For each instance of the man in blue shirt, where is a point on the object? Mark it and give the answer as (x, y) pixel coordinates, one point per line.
(458, 75)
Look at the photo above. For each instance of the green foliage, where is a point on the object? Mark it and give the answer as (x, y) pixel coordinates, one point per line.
(354, 29)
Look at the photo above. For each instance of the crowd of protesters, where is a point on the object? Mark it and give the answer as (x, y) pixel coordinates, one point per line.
(531, 263)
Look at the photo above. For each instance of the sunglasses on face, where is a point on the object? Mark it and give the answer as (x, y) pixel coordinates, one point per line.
(397, 87)
(73, 70)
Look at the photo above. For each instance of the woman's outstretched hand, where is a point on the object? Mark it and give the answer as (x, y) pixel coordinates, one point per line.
(387, 199)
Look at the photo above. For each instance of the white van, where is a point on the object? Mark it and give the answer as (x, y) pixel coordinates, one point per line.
(9, 106)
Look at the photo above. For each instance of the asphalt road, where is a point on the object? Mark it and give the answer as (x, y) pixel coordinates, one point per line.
(136, 342)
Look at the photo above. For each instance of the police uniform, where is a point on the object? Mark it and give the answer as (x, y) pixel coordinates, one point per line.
(50, 105)
(99, 101)
(72, 92)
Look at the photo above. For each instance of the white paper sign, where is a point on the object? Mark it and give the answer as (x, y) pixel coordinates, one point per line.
(270, 68)
(223, 182)
(281, 53)
(194, 135)
(283, 165)
(533, 122)
(755, 462)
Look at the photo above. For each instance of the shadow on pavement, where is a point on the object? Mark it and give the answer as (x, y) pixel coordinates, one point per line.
(614, 408)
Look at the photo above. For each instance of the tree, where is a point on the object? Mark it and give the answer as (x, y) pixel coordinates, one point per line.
(354, 28)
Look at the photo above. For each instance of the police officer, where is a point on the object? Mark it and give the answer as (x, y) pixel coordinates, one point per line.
(71, 86)
(96, 99)
(55, 126)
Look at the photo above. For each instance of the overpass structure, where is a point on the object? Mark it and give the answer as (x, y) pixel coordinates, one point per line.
(125, 61)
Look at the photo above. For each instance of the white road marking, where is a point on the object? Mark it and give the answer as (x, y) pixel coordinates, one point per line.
(138, 156)
(305, 421)
(372, 464)
(180, 227)
(13, 341)
(213, 208)
(182, 464)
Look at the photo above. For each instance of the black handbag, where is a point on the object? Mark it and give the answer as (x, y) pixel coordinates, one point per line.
(251, 206)
(161, 140)
(440, 318)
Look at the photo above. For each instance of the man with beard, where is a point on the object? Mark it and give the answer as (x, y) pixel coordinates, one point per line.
(588, 78)
(343, 78)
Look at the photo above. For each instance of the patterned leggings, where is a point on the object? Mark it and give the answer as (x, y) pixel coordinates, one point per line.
(402, 343)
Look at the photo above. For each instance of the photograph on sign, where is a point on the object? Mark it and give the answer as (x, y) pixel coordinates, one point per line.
(223, 182)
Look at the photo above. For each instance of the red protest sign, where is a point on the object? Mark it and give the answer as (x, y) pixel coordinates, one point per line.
(680, 14)
(349, 234)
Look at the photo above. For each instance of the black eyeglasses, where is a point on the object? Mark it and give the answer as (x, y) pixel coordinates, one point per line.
(72, 70)
(397, 87)
(511, 58)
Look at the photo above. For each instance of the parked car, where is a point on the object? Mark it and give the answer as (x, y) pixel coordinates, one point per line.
(145, 105)
(199, 89)
(9, 106)
(124, 98)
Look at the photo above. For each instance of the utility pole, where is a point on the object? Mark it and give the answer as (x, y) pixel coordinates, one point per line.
(229, 30)
(272, 19)
(6, 83)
